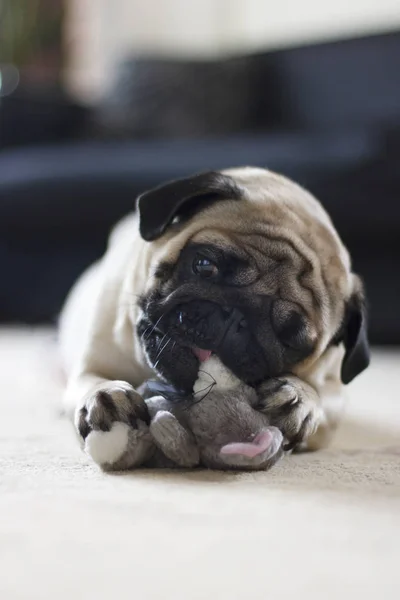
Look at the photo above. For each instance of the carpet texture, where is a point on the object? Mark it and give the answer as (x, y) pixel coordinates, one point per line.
(318, 526)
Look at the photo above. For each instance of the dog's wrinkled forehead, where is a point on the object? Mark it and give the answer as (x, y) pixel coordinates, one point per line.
(243, 199)
(251, 204)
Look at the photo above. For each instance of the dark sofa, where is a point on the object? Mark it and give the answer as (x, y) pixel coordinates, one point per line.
(327, 115)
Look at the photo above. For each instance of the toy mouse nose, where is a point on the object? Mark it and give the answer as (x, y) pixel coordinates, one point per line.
(260, 444)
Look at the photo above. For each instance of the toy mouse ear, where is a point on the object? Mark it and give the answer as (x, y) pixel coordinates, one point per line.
(182, 198)
(355, 339)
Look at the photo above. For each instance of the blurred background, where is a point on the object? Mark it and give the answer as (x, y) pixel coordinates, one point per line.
(102, 99)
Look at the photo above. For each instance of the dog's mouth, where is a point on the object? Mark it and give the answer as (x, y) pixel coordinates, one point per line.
(200, 354)
(189, 333)
(202, 333)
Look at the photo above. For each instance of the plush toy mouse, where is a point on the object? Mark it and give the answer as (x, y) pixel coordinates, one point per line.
(216, 427)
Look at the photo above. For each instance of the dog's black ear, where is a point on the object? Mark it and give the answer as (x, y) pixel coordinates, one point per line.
(355, 336)
(182, 198)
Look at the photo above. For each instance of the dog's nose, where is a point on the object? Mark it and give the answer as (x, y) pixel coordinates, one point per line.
(210, 326)
(234, 323)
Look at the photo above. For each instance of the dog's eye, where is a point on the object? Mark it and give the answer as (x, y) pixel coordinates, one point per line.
(204, 267)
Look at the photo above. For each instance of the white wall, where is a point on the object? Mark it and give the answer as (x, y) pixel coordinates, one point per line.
(274, 23)
(100, 31)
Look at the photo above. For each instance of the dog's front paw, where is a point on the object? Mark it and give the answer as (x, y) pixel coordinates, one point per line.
(113, 424)
(293, 406)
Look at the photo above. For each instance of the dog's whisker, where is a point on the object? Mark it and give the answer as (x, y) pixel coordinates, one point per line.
(145, 331)
(158, 357)
(154, 327)
(161, 342)
(163, 348)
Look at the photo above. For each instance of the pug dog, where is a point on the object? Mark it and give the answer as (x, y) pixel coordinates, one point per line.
(244, 264)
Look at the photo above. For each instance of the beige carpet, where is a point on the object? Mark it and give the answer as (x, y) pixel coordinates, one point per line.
(324, 525)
